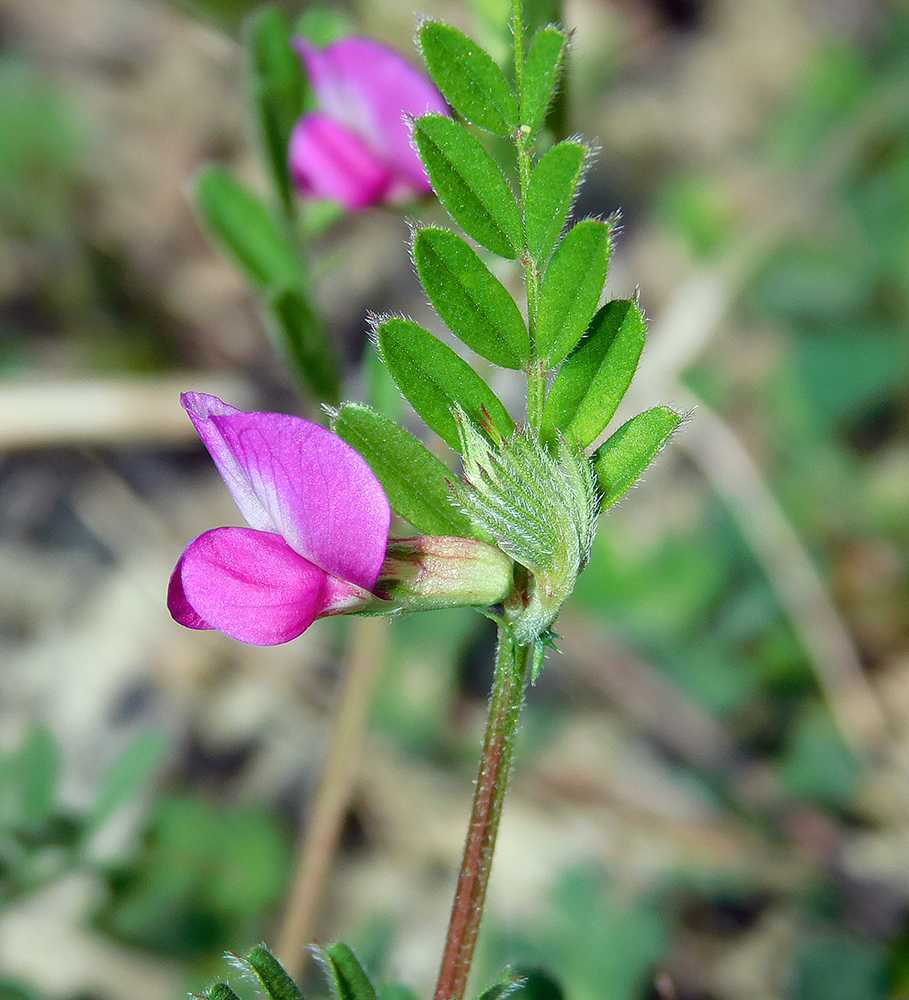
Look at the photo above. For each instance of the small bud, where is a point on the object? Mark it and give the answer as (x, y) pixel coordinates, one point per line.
(435, 571)
(540, 507)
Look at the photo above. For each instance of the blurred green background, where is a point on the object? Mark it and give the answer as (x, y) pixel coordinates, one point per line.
(712, 794)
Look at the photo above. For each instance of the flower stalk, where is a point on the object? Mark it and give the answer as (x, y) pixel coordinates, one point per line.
(319, 842)
(492, 782)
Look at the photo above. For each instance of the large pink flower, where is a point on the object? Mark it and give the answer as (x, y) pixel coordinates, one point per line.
(318, 522)
(356, 148)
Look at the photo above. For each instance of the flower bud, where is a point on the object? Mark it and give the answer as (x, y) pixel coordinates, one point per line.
(435, 571)
(541, 508)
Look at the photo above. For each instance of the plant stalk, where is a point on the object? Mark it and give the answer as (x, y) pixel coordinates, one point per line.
(492, 781)
(320, 837)
(535, 371)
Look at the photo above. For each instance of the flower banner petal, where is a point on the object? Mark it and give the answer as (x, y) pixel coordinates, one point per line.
(327, 160)
(249, 585)
(297, 479)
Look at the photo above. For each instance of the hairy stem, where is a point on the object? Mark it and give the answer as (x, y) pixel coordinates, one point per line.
(320, 838)
(492, 781)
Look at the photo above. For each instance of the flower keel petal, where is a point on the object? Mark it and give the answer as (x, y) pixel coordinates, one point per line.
(327, 160)
(177, 604)
(250, 585)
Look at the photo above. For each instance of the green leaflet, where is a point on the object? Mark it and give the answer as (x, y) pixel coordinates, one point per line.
(626, 454)
(596, 375)
(541, 72)
(416, 482)
(279, 91)
(471, 300)
(247, 229)
(305, 343)
(220, 991)
(470, 184)
(571, 289)
(271, 974)
(345, 974)
(552, 189)
(468, 77)
(435, 380)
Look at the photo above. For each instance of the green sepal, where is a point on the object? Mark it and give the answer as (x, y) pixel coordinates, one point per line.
(247, 229)
(571, 289)
(471, 300)
(279, 91)
(541, 75)
(271, 975)
(595, 376)
(431, 572)
(468, 77)
(346, 976)
(304, 341)
(417, 484)
(435, 381)
(550, 195)
(470, 184)
(621, 459)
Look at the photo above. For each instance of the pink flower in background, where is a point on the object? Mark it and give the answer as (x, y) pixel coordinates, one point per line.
(318, 528)
(356, 148)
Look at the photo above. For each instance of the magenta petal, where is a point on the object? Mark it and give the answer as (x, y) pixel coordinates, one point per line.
(327, 160)
(177, 604)
(371, 89)
(251, 585)
(297, 479)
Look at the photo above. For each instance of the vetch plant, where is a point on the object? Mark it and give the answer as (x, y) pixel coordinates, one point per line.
(511, 533)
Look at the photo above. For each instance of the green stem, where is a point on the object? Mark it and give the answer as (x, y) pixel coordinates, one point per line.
(492, 781)
(517, 31)
(536, 388)
(536, 375)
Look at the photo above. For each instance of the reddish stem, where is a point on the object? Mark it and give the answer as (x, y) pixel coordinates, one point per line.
(492, 781)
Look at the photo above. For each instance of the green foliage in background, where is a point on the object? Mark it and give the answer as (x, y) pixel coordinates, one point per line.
(591, 938)
(201, 880)
(42, 838)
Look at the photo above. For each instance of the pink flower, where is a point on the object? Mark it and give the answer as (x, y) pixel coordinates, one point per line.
(357, 147)
(318, 528)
